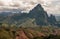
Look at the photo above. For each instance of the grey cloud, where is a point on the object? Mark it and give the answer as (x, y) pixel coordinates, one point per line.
(1, 4)
(52, 6)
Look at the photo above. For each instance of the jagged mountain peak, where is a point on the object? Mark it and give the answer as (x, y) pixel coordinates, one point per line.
(38, 5)
(40, 15)
(37, 11)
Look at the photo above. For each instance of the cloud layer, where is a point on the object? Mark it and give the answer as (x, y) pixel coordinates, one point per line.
(51, 6)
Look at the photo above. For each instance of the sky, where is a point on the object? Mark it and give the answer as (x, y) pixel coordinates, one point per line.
(51, 6)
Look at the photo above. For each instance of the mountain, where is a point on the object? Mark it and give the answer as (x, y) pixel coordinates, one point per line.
(40, 15)
(36, 16)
